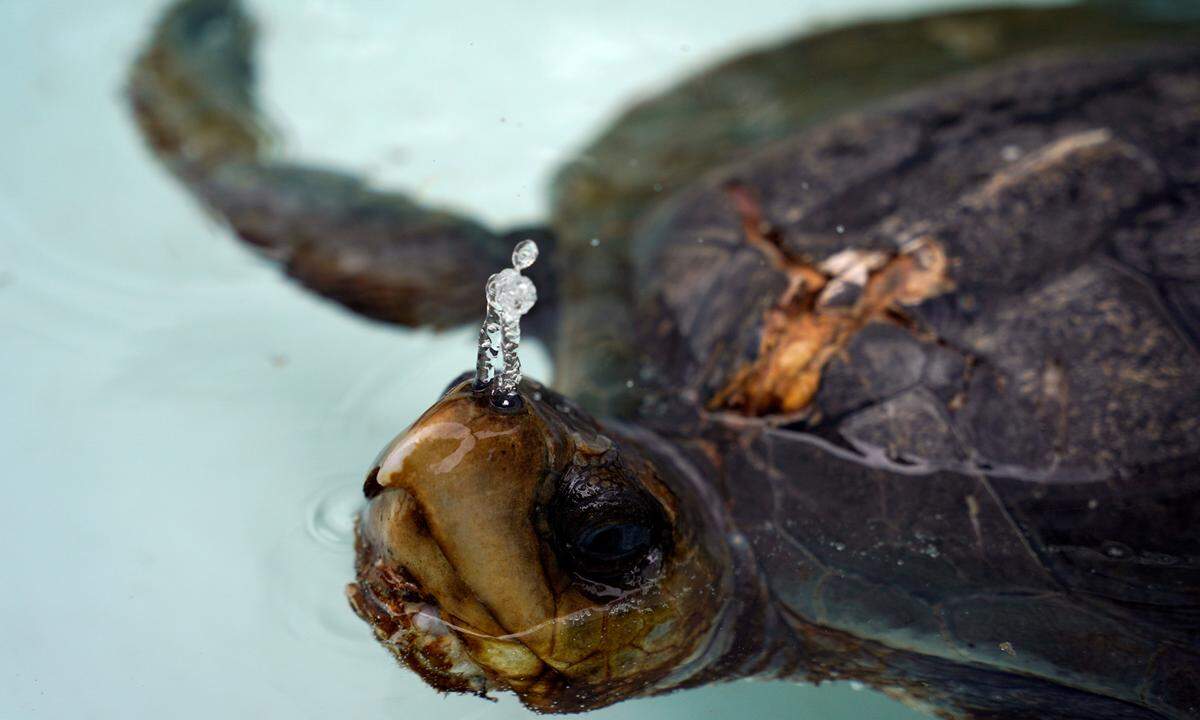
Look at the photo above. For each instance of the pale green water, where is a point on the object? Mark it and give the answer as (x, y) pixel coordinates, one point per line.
(184, 432)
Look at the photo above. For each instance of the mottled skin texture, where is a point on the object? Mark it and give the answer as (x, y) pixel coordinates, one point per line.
(970, 477)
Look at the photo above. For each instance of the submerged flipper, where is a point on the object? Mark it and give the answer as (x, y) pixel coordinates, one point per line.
(379, 254)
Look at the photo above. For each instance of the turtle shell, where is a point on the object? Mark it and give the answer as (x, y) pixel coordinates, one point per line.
(667, 142)
(943, 357)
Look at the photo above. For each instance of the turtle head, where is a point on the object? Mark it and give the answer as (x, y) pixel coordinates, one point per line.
(528, 549)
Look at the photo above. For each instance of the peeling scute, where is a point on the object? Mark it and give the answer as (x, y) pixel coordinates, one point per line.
(820, 309)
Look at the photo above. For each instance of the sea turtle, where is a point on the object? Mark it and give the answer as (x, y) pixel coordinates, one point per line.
(903, 390)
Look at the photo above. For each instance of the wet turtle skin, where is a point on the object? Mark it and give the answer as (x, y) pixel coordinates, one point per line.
(959, 462)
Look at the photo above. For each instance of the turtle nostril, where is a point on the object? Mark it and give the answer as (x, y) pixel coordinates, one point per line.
(371, 487)
(510, 403)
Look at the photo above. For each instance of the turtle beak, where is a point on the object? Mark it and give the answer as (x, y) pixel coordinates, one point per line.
(452, 516)
(423, 610)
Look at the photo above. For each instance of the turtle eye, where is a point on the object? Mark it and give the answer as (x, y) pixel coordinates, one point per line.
(613, 542)
(607, 530)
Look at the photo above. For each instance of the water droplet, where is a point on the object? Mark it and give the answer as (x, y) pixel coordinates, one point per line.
(524, 254)
(1117, 550)
(629, 383)
(841, 229)
(1010, 153)
(1093, 504)
(511, 293)
(594, 242)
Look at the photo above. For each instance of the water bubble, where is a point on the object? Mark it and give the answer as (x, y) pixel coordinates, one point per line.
(841, 229)
(594, 242)
(856, 685)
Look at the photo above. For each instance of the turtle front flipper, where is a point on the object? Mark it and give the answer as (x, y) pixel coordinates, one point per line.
(380, 254)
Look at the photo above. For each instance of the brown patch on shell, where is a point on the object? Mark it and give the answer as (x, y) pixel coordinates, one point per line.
(820, 310)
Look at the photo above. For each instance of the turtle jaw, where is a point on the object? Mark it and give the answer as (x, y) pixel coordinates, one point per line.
(409, 624)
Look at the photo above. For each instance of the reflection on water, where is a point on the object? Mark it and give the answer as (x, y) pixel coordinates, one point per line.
(332, 513)
(184, 431)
